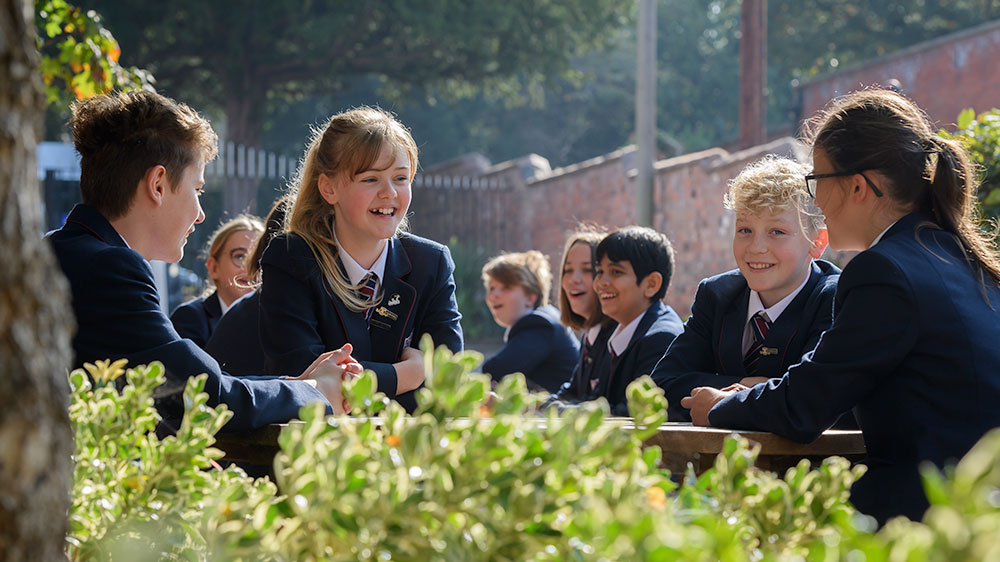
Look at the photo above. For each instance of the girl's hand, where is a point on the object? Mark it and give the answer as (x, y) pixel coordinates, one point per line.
(409, 370)
(328, 373)
(338, 361)
(701, 401)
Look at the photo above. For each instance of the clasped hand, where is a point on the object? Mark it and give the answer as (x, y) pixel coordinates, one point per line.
(328, 373)
(703, 398)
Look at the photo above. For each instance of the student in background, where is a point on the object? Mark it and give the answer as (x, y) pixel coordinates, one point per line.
(536, 343)
(142, 163)
(634, 266)
(345, 271)
(227, 274)
(912, 348)
(579, 309)
(752, 323)
(235, 343)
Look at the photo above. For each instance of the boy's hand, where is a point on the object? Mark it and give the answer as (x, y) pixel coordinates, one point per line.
(701, 401)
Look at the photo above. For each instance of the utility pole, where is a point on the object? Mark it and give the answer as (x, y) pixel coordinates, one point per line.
(753, 72)
(645, 113)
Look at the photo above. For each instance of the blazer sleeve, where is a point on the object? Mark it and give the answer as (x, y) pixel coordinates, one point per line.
(688, 362)
(649, 350)
(527, 346)
(568, 391)
(145, 334)
(823, 316)
(290, 302)
(875, 327)
(190, 323)
(441, 318)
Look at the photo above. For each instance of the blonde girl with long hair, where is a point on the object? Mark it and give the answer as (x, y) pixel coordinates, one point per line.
(345, 270)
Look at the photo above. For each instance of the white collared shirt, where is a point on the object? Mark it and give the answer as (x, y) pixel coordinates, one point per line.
(225, 307)
(773, 312)
(618, 342)
(881, 234)
(590, 336)
(357, 274)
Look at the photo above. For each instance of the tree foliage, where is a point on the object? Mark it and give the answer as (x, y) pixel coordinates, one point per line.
(237, 56)
(79, 55)
(981, 136)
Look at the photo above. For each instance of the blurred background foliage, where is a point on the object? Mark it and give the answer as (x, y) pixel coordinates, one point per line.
(503, 79)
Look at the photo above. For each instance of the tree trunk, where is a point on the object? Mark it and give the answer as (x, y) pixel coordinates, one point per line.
(244, 119)
(35, 319)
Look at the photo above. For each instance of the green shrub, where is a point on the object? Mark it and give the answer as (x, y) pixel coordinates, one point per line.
(981, 136)
(466, 479)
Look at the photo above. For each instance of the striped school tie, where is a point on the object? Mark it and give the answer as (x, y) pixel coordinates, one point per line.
(760, 326)
(367, 290)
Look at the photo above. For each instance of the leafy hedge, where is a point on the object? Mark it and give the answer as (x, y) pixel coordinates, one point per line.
(462, 480)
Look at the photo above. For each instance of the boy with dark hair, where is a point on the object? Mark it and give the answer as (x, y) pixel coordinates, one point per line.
(634, 266)
(142, 166)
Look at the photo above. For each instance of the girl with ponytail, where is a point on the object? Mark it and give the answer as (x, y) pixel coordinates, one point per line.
(344, 270)
(913, 346)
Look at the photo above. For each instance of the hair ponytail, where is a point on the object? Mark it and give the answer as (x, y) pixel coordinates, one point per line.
(952, 196)
(884, 131)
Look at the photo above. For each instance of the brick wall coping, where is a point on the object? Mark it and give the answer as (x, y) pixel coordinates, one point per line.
(982, 29)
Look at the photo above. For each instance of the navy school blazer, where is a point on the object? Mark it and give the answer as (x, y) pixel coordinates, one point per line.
(656, 330)
(197, 318)
(912, 349)
(118, 315)
(301, 317)
(710, 351)
(235, 342)
(578, 387)
(539, 346)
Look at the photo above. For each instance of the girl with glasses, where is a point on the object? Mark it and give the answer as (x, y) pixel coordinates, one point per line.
(227, 279)
(913, 346)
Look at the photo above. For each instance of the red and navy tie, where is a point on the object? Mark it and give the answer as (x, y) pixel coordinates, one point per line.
(760, 325)
(369, 284)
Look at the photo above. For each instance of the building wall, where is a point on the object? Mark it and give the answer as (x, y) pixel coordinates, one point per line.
(943, 76)
(538, 214)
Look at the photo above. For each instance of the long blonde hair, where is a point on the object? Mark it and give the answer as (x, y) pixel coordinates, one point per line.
(348, 144)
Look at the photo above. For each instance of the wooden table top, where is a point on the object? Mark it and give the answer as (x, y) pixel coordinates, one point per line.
(676, 437)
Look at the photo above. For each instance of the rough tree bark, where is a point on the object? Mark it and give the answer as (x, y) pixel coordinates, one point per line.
(35, 319)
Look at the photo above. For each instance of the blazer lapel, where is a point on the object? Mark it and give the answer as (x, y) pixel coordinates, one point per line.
(729, 347)
(779, 337)
(392, 320)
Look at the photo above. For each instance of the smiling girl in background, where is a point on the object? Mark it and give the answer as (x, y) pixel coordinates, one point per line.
(581, 311)
(227, 252)
(345, 272)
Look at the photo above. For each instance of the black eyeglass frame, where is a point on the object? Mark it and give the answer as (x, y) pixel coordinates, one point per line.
(811, 182)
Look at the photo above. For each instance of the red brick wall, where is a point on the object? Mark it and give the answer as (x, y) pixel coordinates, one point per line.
(943, 76)
(540, 213)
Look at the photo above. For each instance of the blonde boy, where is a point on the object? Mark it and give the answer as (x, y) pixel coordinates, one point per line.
(752, 323)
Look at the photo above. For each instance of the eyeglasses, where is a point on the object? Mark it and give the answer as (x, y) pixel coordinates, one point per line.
(238, 256)
(811, 182)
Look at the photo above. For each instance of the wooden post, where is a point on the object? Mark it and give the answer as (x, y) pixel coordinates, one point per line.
(645, 113)
(753, 72)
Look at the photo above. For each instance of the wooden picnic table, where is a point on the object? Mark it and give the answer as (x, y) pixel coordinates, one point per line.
(681, 443)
